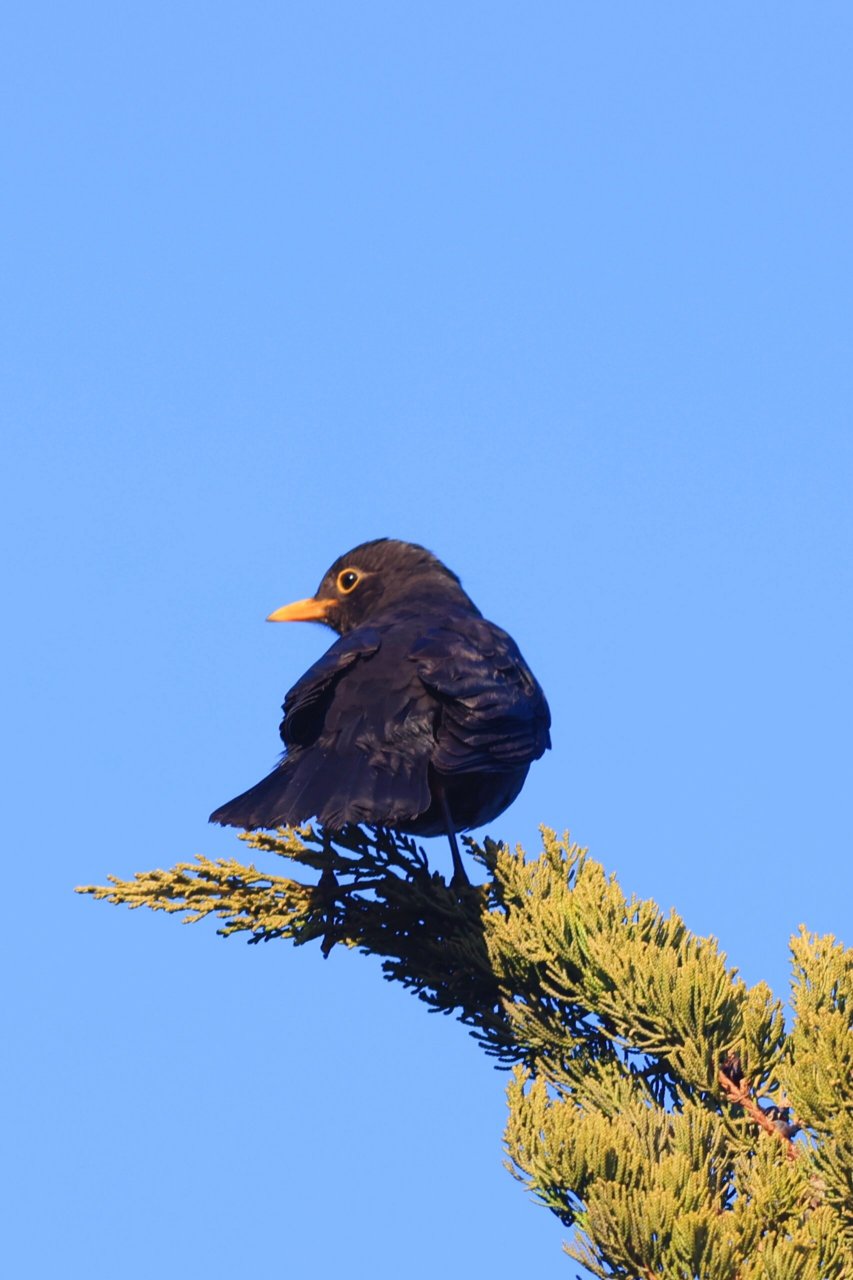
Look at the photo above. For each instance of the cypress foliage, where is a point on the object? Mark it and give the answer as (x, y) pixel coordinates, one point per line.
(658, 1105)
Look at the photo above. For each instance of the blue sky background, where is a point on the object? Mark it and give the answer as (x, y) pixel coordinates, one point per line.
(564, 293)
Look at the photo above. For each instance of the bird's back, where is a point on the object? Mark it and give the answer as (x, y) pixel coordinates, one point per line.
(421, 699)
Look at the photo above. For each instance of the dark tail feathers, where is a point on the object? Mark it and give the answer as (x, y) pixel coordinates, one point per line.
(263, 805)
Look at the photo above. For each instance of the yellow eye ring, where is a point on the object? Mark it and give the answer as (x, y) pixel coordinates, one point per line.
(348, 580)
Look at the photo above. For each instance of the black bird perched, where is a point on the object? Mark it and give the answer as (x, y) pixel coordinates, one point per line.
(422, 717)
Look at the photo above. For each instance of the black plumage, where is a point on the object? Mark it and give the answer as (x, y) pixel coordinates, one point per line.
(422, 717)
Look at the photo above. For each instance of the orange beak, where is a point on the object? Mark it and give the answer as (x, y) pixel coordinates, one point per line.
(310, 610)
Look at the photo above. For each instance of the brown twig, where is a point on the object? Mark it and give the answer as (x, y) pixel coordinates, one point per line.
(739, 1093)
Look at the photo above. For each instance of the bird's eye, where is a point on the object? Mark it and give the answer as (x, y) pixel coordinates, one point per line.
(348, 580)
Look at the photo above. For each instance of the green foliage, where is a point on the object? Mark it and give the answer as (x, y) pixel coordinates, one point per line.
(649, 1106)
(818, 1067)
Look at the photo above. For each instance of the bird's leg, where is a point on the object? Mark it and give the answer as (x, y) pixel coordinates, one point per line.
(460, 875)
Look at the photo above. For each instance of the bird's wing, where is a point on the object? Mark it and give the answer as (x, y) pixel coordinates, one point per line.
(306, 704)
(493, 713)
(357, 743)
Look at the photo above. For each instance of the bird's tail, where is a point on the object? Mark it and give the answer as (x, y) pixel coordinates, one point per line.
(308, 785)
(264, 805)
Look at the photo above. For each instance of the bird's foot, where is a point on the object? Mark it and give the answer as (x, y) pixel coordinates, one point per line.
(328, 883)
(459, 880)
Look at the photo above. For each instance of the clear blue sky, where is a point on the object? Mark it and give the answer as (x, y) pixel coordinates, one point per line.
(562, 291)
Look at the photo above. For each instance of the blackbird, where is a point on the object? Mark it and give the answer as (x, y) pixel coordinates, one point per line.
(422, 717)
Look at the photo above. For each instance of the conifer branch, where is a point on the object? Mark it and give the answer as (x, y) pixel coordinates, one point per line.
(738, 1092)
(638, 1054)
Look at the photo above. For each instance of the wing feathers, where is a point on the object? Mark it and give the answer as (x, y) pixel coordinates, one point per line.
(383, 707)
(494, 715)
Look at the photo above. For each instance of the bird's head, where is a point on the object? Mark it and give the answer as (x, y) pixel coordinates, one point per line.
(377, 578)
